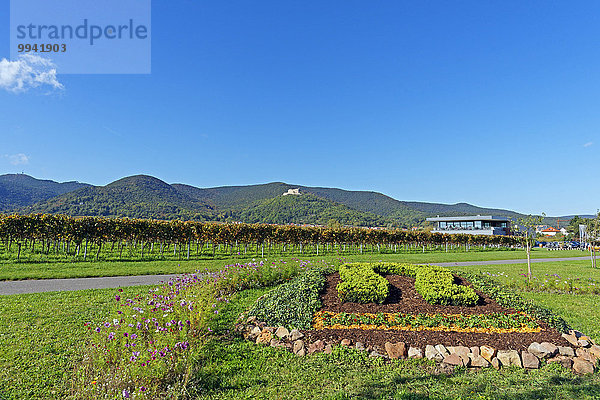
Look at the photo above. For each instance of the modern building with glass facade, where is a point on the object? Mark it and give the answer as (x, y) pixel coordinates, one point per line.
(474, 225)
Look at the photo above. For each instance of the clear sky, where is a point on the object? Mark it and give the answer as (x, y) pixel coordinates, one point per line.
(491, 103)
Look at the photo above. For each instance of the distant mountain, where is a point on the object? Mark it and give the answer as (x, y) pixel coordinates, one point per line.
(138, 196)
(143, 196)
(19, 190)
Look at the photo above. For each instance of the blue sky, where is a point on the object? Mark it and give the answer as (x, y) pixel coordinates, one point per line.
(490, 103)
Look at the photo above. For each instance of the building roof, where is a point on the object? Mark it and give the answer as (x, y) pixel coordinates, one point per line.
(551, 229)
(469, 218)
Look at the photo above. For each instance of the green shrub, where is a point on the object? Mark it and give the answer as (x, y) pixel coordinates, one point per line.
(361, 284)
(507, 298)
(436, 285)
(292, 304)
(396, 269)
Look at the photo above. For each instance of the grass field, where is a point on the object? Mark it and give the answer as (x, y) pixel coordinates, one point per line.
(46, 270)
(41, 336)
(51, 327)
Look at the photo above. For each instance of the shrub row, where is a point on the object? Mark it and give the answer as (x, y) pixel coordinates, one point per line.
(507, 298)
(436, 285)
(294, 303)
(363, 283)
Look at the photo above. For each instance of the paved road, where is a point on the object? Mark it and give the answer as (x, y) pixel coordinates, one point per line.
(52, 285)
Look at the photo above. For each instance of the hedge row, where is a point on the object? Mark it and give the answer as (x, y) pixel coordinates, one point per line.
(294, 303)
(436, 285)
(507, 298)
(363, 283)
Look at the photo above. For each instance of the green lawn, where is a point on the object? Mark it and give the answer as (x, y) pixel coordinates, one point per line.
(45, 270)
(41, 336)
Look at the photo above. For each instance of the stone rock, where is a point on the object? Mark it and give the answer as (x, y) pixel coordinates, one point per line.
(359, 346)
(328, 349)
(442, 350)
(529, 360)
(543, 350)
(414, 352)
(565, 361)
(298, 345)
(478, 361)
(463, 353)
(251, 320)
(571, 339)
(586, 355)
(487, 352)
(566, 351)
(454, 359)
(295, 334)
(495, 362)
(584, 343)
(275, 343)
(254, 333)
(346, 342)
(582, 366)
(432, 353)
(319, 345)
(282, 332)
(374, 353)
(509, 358)
(475, 351)
(550, 348)
(301, 352)
(395, 350)
(264, 338)
(595, 351)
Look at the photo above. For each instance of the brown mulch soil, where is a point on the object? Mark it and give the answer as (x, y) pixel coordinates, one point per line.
(405, 299)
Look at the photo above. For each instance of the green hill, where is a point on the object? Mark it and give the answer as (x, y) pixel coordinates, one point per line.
(139, 196)
(19, 190)
(306, 209)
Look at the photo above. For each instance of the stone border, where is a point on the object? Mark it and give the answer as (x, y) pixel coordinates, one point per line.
(583, 357)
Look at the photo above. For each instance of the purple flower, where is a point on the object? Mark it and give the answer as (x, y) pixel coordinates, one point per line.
(125, 393)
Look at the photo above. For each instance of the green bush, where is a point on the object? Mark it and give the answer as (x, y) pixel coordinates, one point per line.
(361, 284)
(436, 285)
(293, 303)
(507, 298)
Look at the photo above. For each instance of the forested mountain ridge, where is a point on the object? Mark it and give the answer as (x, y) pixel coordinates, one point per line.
(19, 190)
(143, 196)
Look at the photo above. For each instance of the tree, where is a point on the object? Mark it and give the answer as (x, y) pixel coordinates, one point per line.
(593, 235)
(527, 226)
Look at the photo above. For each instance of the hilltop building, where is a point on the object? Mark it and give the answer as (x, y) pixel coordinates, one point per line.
(295, 192)
(472, 225)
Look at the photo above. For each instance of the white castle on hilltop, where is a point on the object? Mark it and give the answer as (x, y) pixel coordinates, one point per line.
(295, 192)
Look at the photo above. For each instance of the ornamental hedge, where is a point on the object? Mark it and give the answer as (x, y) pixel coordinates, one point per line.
(436, 285)
(364, 283)
(294, 303)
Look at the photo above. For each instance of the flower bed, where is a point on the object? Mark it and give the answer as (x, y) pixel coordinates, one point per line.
(485, 323)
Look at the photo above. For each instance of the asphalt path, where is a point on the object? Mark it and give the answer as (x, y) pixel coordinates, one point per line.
(54, 285)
